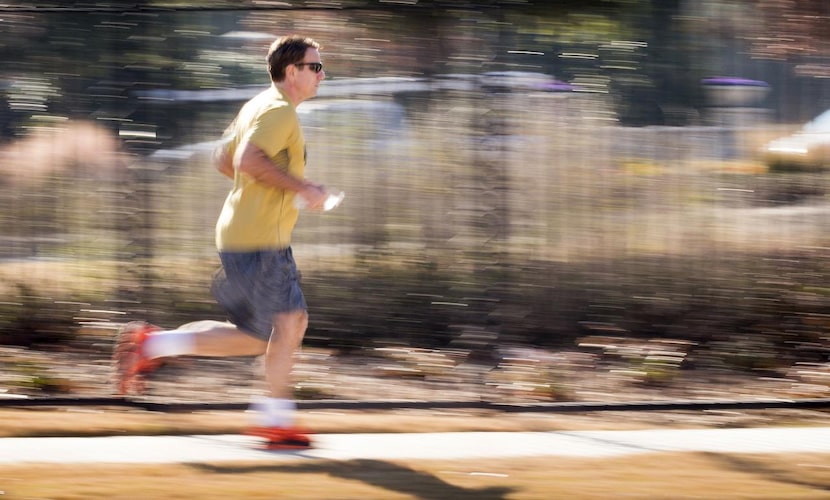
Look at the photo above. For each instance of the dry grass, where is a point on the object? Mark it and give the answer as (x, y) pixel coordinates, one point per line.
(675, 476)
(51, 277)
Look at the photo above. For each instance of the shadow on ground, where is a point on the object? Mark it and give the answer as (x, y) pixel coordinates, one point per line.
(749, 466)
(387, 475)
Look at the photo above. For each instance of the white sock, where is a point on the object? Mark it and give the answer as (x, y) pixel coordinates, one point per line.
(169, 343)
(273, 412)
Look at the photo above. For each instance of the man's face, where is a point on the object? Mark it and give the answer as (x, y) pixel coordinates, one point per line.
(307, 80)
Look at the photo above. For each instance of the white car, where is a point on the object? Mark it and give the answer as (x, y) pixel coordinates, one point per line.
(809, 148)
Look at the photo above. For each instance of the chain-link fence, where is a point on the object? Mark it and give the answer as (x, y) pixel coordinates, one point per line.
(497, 214)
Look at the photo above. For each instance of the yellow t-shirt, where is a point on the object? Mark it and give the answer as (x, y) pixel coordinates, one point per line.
(256, 216)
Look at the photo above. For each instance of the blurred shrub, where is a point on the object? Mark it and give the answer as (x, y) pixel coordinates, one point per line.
(732, 317)
(30, 319)
(734, 313)
(36, 378)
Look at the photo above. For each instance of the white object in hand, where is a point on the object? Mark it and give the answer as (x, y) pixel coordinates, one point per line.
(331, 202)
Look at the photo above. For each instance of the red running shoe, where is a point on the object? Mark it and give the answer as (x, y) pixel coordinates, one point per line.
(131, 366)
(281, 438)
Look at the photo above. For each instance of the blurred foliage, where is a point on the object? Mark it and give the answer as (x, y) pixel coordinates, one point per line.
(36, 320)
(32, 377)
(89, 59)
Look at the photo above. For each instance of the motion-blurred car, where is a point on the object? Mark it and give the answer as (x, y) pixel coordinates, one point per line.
(809, 148)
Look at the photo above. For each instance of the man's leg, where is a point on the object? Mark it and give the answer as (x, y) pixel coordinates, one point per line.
(274, 415)
(204, 338)
(286, 339)
(140, 345)
(278, 407)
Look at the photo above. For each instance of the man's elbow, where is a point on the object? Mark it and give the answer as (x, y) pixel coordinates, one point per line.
(223, 163)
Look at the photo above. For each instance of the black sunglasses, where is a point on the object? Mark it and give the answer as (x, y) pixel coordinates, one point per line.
(315, 67)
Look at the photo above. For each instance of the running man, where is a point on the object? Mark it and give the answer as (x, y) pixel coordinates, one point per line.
(263, 151)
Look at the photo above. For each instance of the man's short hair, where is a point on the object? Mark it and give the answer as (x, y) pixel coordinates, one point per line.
(286, 51)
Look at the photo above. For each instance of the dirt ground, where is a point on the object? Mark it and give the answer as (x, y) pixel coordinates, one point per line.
(407, 375)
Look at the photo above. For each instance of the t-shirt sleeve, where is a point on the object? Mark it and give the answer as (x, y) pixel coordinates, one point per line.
(274, 130)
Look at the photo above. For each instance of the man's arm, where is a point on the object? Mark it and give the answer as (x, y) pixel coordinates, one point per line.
(253, 161)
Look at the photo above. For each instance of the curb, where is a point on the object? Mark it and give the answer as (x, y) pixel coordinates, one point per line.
(566, 407)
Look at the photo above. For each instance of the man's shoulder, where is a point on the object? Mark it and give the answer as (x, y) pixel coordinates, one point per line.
(269, 99)
(269, 107)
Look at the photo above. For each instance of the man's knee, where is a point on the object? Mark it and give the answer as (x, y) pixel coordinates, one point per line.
(295, 321)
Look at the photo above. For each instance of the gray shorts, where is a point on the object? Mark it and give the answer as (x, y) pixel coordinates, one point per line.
(254, 286)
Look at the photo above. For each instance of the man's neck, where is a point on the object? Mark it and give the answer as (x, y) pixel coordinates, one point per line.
(288, 92)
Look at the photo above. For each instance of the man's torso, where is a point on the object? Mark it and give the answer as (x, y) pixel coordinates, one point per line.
(256, 216)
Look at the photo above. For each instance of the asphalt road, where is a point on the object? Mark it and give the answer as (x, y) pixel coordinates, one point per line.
(448, 445)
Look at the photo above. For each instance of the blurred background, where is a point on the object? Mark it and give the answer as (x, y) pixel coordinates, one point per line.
(572, 200)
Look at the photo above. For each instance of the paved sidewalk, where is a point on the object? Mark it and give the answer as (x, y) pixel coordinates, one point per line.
(449, 445)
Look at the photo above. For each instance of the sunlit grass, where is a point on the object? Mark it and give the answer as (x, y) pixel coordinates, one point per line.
(675, 476)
